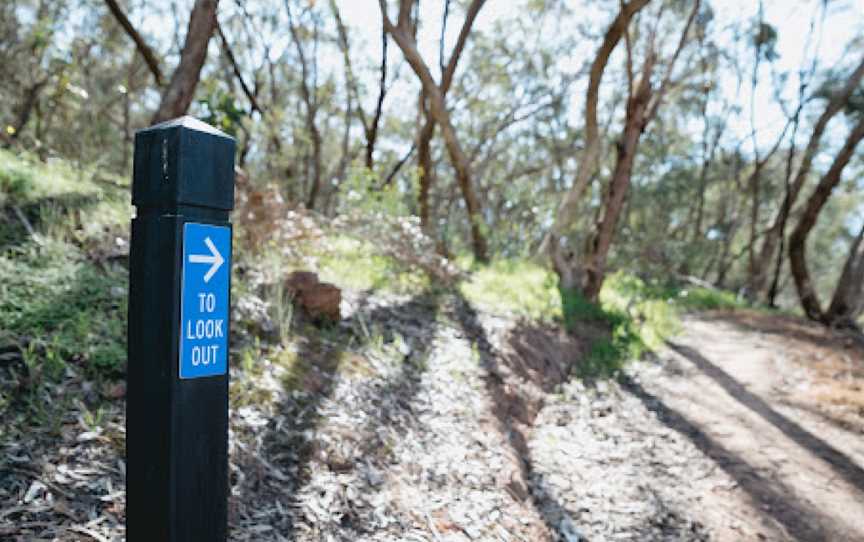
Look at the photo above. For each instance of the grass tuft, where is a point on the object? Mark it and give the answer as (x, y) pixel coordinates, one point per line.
(63, 308)
(516, 287)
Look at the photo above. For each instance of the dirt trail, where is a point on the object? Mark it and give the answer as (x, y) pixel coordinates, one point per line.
(772, 402)
(422, 418)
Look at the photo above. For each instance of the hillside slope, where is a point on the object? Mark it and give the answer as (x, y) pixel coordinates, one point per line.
(444, 404)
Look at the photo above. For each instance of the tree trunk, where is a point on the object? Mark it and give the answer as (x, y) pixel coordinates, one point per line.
(798, 240)
(31, 97)
(372, 131)
(463, 176)
(587, 161)
(594, 263)
(756, 271)
(402, 36)
(424, 162)
(643, 102)
(181, 89)
(310, 103)
(848, 301)
(140, 44)
(370, 127)
(775, 233)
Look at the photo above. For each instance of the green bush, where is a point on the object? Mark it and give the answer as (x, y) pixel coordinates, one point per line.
(63, 307)
(15, 183)
(701, 299)
(516, 287)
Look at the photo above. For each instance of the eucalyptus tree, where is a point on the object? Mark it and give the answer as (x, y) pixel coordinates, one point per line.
(582, 271)
(403, 32)
(511, 111)
(29, 60)
(179, 92)
(848, 290)
(838, 96)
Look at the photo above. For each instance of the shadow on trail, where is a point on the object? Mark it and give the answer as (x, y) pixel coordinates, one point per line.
(839, 462)
(322, 359)
(771, 497)
(778, 325)
(516, 406)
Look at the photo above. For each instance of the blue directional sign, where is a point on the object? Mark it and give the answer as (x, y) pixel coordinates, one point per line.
(204, 300)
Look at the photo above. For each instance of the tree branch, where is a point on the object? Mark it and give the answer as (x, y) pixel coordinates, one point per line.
(229, 54)
(682, 42)
(143, 49)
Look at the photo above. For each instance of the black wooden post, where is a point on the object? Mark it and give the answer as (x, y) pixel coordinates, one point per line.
(179, 284)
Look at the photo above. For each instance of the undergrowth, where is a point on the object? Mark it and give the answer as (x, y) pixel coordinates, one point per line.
(62, 303)
(352, 263)
(634, 316)
(516, 287)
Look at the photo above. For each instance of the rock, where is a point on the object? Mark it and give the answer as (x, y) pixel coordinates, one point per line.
(117, 390)
(319, 300)
(299, 281)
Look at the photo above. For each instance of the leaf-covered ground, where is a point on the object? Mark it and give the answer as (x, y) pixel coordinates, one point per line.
(422, 418)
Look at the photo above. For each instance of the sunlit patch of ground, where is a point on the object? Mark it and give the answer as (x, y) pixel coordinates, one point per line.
(831, 364)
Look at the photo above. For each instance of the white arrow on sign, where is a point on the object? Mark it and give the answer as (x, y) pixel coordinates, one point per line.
(215, 259)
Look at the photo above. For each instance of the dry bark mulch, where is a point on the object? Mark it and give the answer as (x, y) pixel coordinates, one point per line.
(412, 419)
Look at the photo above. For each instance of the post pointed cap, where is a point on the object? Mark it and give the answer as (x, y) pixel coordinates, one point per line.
(188, 122)
(183, 161)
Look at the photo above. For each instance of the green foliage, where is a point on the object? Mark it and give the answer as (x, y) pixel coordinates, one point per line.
(365, 193)
(15, 181)
(576, 308)
(633, 317)
(24, 180)
(517, 287)
(703, 299)
(352, 263)
(56, 302)
(63, 307)
(639, 315)
(220, 109)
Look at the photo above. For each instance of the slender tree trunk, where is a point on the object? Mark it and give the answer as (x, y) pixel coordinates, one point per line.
(310, 103)
(403, 36)
(781, 235)
(31, 97)
(848, 300)
(463, 177)
(594, 262)
(181, 89)
(140, 44)
(566, 213)
(757, 273)
(798, 240)
(370, 127)
(372, 131)
(424, 162)
(758, 270)
(775, 234)
(586, 276)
